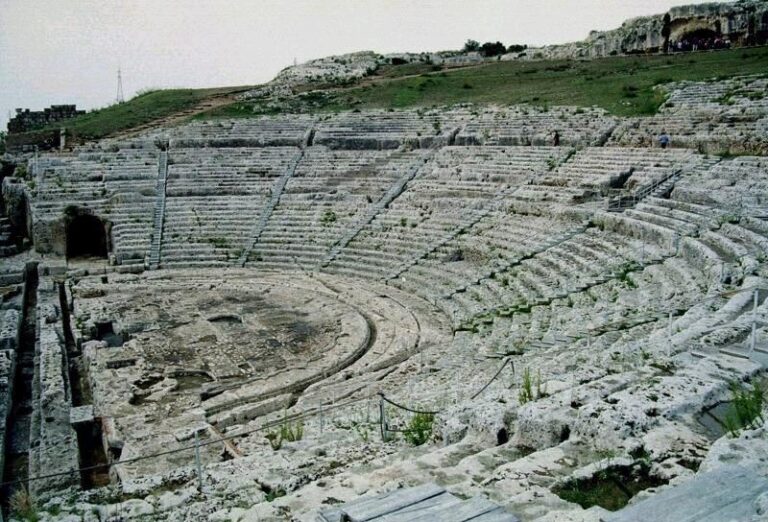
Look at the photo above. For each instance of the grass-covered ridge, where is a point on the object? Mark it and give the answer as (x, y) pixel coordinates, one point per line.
(140, 110)
(623, 85)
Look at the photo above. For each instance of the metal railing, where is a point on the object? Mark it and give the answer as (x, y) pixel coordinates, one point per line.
(621, 203)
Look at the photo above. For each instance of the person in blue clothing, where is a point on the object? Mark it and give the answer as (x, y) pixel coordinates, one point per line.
(664, 139)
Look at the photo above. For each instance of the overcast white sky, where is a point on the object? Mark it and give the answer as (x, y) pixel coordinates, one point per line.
(68, 51)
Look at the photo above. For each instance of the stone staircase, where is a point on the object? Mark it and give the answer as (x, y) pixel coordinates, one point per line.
(750, 314)
(159, 214)
(388, 197)
(266, 213)
(550, 243)
(658, 189)
(472, 220)
(7, 244)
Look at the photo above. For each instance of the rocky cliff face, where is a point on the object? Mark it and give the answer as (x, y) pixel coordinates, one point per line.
(337, 70)
(732, 24)
(740, 23)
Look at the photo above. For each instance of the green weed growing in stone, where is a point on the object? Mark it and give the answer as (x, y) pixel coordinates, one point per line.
(419, 429)
(362, 431)
(746, 408)
(275, 440)
(23, 505)
(328, 217)
(531, 388)
(290, 431)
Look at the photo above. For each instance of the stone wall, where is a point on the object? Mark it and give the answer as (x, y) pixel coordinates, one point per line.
(32, 140)
(53, 441)
(26, 120)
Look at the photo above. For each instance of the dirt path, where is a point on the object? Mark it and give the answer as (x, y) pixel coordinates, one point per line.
(213, 102)
(219, 100)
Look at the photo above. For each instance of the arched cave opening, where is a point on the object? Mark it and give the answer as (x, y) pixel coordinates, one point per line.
(86, 236)
(700, 34)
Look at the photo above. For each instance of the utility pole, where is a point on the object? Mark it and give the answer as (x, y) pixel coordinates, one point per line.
(119, 97)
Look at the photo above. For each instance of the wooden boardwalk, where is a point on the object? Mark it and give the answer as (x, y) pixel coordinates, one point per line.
(428, 502)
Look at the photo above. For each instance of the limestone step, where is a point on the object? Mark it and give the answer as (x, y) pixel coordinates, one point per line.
(727, 493)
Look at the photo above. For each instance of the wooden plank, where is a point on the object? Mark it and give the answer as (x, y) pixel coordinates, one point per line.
(727, 493)
(496, 516)
(426, 508)
(389, 503)
(469, 510)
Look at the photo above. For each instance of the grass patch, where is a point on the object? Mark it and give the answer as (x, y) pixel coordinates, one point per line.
(531, 388)
(746, 411)
(219, 242)
(288, 431)
(328, 217)
(419, 429)
(610, 488)
(623, 85)
(626, 268)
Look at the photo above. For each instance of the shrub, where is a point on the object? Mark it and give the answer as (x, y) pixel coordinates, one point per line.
(274, 494)
(630, 91)
(492, 49)
(21, 172)
(746, 410)
(419, 429)
(219, 242)
(328, 217)
(622, 274)
(22, 505)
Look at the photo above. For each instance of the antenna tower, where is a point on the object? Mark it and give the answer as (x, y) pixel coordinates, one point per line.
(119, 98)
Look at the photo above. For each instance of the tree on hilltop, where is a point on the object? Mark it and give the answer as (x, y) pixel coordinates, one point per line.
(471, 46)
(516, 48)
(492, 49)
(666, 31)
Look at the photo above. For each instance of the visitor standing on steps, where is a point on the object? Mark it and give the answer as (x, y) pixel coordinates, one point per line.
(664, 140)
(556, 139)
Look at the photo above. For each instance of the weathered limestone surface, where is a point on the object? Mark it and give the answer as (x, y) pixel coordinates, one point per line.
(740, 22)
(10, 323)
(53, 442)
(457, 260)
